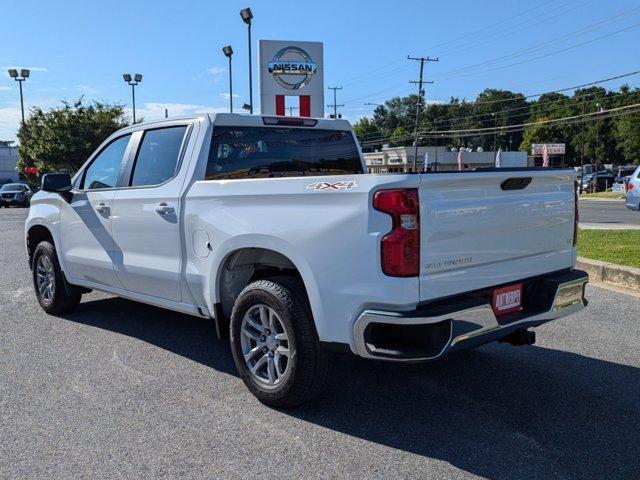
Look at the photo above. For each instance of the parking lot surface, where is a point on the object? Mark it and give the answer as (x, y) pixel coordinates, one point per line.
(124, 390)
(607, 214)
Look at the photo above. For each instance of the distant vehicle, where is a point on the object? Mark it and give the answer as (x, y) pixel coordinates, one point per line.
(18, 194)
(624, 171)
(632, 200)
(598, 182)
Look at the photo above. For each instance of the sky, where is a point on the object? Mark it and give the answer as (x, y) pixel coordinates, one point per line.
(81, 48)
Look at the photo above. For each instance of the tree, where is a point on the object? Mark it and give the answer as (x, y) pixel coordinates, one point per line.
(626, 132)
(62, 138)
(365, 129)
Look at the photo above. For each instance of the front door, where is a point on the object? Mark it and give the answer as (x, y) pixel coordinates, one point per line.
(88, 249)
(145, 216)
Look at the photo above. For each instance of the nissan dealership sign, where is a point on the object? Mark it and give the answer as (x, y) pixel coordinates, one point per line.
(291, 69)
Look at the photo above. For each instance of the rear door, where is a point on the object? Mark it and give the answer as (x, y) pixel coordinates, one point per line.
(146, 212)
(480, 229)
(88, 249)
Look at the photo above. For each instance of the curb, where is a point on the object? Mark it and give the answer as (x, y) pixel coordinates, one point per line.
(619, 275)
(602, 199)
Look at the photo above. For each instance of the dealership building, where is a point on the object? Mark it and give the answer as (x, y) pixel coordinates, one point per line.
(8, 161)
(400, 159)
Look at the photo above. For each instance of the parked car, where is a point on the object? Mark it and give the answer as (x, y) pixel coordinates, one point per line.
(270, 227)
(598, 182)
(15, 194)
(632, 198)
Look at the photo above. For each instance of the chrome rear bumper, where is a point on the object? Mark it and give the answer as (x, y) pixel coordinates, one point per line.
(469, 322)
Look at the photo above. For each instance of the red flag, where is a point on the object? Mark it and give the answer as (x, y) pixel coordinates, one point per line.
(460, 160)
(545, 155)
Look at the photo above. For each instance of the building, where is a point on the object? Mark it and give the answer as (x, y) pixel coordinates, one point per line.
(400, 159)
(8, 162)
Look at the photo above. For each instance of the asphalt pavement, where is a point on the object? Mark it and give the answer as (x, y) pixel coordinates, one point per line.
(607, 213)
(124, 390)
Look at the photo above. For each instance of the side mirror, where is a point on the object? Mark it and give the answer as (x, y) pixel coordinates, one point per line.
(56, 182)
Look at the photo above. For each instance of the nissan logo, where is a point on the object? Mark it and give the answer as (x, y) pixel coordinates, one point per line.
(292, 68)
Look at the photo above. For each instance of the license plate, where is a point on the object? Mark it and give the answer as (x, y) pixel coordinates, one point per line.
(507, 299)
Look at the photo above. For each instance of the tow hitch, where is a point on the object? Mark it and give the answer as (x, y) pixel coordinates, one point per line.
(520, 337)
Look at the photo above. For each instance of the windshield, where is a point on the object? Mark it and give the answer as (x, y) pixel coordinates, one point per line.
(263, 152)
(13, 187)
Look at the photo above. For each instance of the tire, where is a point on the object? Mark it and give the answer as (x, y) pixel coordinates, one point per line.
(53, 298)
(307, 365)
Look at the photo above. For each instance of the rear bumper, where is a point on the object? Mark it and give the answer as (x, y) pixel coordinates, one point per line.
(465, 321)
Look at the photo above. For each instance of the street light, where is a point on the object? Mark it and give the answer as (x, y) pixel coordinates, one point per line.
(246, 15)
(228, 52)
(137, 78)
(20, 77)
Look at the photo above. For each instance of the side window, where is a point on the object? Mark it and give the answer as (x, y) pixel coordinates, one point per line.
(103, 171)
(157, 157)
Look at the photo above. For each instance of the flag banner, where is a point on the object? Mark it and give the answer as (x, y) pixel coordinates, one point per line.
(498, 157)
(425, 166)
(545, 155)
(460, 160)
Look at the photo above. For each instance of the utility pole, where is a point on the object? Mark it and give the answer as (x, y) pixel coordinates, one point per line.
(419, 104)
(584, 144)
(335, 102)
(291, 109)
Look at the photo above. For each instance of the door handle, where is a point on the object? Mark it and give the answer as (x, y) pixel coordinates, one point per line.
(102, 208)
(164, 209)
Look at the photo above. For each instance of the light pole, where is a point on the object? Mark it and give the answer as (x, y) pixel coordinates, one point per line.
(24, 74)
(137, 78)
(228, 52)
(246, 15)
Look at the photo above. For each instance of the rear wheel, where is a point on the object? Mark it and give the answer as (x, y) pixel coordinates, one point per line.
(48, 282)
(275, 345)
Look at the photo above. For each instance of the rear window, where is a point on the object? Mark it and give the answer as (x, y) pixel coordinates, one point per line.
(264, 152)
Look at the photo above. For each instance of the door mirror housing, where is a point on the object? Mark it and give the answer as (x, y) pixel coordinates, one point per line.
(56, 182)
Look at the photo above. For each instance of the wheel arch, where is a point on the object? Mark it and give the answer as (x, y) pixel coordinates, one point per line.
(245, 264)
(36, 234)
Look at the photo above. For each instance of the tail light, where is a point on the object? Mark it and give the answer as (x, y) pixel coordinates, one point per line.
(576, 213)
(629, 186)
(400, 248)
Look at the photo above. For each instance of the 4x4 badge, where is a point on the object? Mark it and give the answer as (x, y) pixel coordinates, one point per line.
(343, 185)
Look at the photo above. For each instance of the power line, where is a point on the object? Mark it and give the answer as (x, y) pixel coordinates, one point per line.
(335, 103)
(537, 19)
(519, 53)
(525, 97)
(574, 119)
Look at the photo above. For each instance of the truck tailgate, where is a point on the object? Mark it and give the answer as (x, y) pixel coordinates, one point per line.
(476, 234)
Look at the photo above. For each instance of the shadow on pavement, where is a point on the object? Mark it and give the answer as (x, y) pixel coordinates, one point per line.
(498, 411)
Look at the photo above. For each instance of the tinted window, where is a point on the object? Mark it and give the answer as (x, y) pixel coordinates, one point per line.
(14, 186)
(103, 171)
(158, 156)
(262, 152)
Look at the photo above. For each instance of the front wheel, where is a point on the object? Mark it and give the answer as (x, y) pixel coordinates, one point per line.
(274, 343)
(48, 282)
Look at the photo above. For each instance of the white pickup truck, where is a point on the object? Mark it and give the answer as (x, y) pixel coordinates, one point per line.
(270, 227)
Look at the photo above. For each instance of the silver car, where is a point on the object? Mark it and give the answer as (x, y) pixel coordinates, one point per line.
(633, 191)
